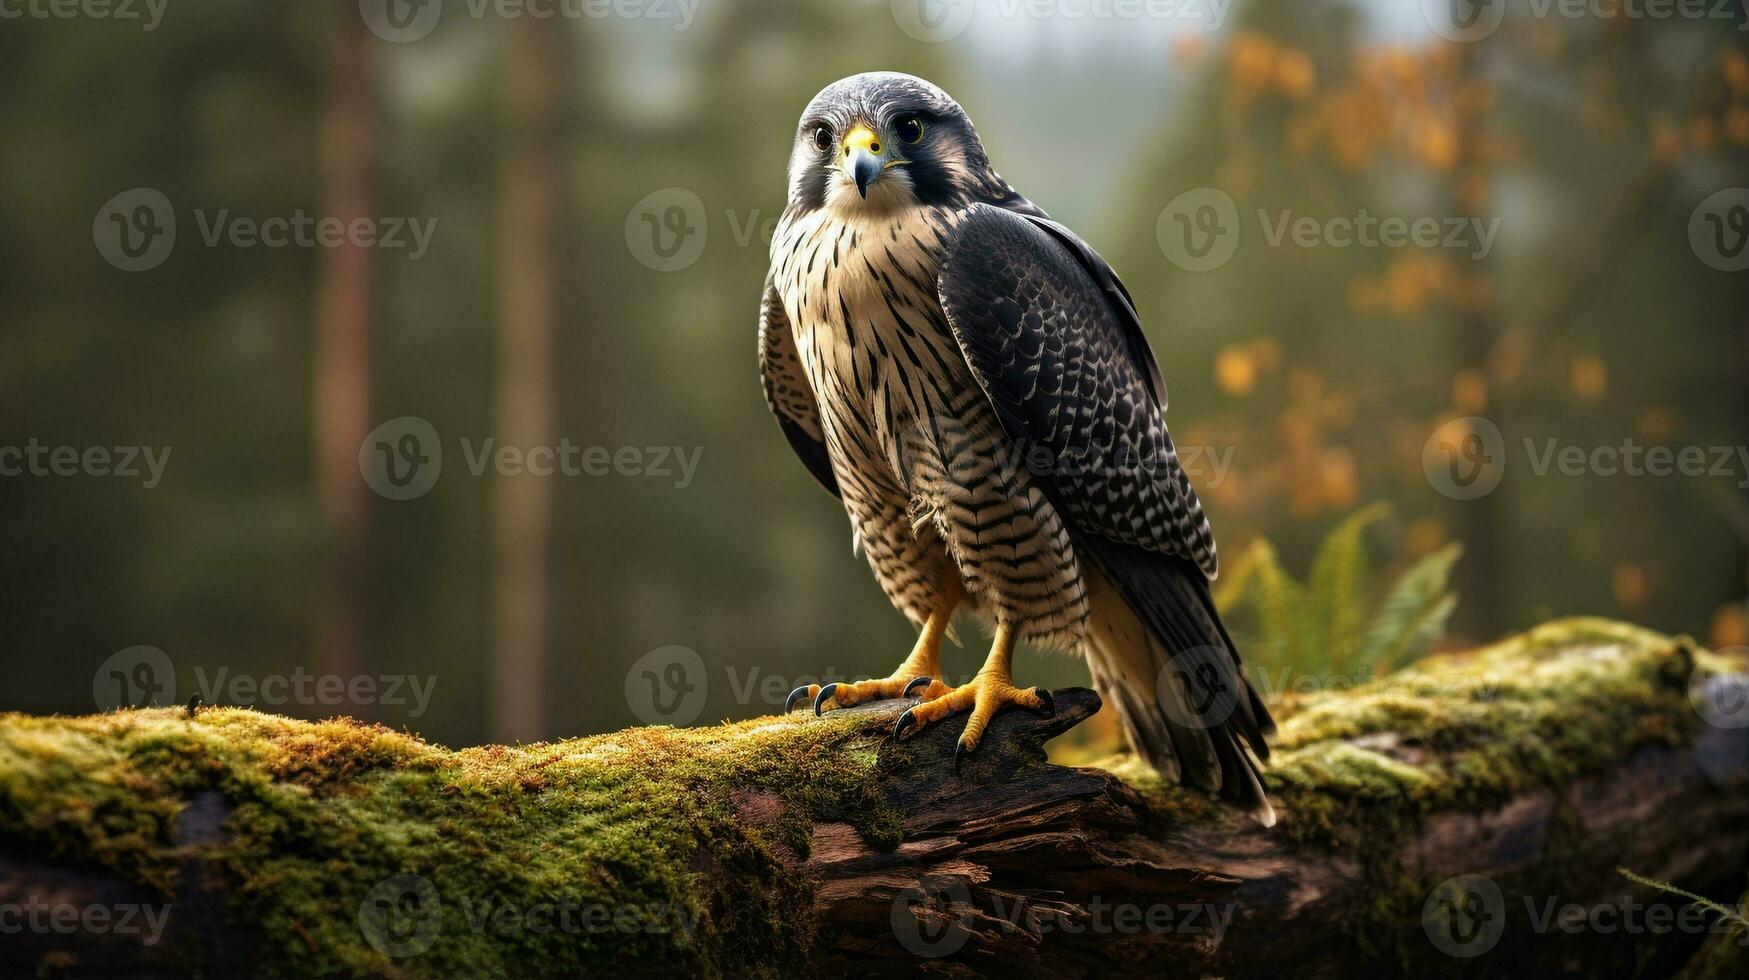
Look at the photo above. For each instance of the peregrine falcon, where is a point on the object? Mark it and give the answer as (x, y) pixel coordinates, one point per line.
(971, 379)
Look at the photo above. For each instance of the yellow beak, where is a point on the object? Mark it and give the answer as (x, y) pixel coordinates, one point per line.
(861, 159)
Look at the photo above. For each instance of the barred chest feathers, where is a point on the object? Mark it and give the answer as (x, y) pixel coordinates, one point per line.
(932, 485)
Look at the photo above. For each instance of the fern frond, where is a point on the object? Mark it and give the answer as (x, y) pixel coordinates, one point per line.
(1280, 604)
(1337, 586)
(1414, 613)
(1229, 590)
(1729, 914)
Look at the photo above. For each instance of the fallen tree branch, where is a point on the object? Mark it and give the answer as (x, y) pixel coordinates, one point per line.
(1527, 772)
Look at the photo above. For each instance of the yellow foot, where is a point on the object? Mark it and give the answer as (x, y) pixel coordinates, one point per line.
(900, 685)
(916, 676)
(989, 692)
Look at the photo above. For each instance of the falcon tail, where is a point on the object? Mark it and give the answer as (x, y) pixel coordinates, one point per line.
(1160, 656)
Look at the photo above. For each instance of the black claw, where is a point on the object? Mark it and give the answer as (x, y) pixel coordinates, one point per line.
(916, 682)
(794, 696)
(959, 752)
(820, 699)
(1049, 707)
(905, 721)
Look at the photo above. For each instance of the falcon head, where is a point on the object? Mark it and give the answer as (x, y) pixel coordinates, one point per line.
(883, 141)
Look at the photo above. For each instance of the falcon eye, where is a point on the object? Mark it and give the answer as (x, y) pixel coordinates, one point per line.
(822, 139)
(910, 129)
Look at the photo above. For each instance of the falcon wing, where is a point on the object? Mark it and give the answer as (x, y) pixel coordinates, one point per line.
(1053, 340)
(787, 392)
(1057, 346)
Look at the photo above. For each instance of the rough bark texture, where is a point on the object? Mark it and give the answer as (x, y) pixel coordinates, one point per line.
(807, 846)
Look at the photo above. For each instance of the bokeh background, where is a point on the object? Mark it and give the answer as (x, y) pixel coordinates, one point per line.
(602, 185)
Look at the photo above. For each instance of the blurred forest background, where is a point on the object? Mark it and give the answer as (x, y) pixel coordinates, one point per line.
(535, 315)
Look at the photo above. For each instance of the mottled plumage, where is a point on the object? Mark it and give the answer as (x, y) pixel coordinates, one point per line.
(971, 379)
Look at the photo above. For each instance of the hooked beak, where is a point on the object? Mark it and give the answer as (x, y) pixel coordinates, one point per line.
(862, 157)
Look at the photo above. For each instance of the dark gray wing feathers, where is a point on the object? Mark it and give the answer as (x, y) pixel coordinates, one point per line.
(787, 392)
(1054, 342)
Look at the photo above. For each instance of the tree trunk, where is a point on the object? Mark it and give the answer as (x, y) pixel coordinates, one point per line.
(344, 305)
(522, 504)
(1435, 822)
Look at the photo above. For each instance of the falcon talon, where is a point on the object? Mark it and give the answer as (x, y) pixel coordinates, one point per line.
(796, 695)
(1048, 705)
(906, 720)
(959, 752)
(824, 696)
(916, 682)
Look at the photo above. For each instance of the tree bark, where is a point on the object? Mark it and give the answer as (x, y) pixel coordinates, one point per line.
(345, 297)
(1528, 772)
(522, 504)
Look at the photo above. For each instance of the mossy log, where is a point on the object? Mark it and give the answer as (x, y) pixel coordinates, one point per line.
(792, 846)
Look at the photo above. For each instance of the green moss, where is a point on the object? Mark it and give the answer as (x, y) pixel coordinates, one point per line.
(1472, 730)
(647, 820)
(697, 831)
